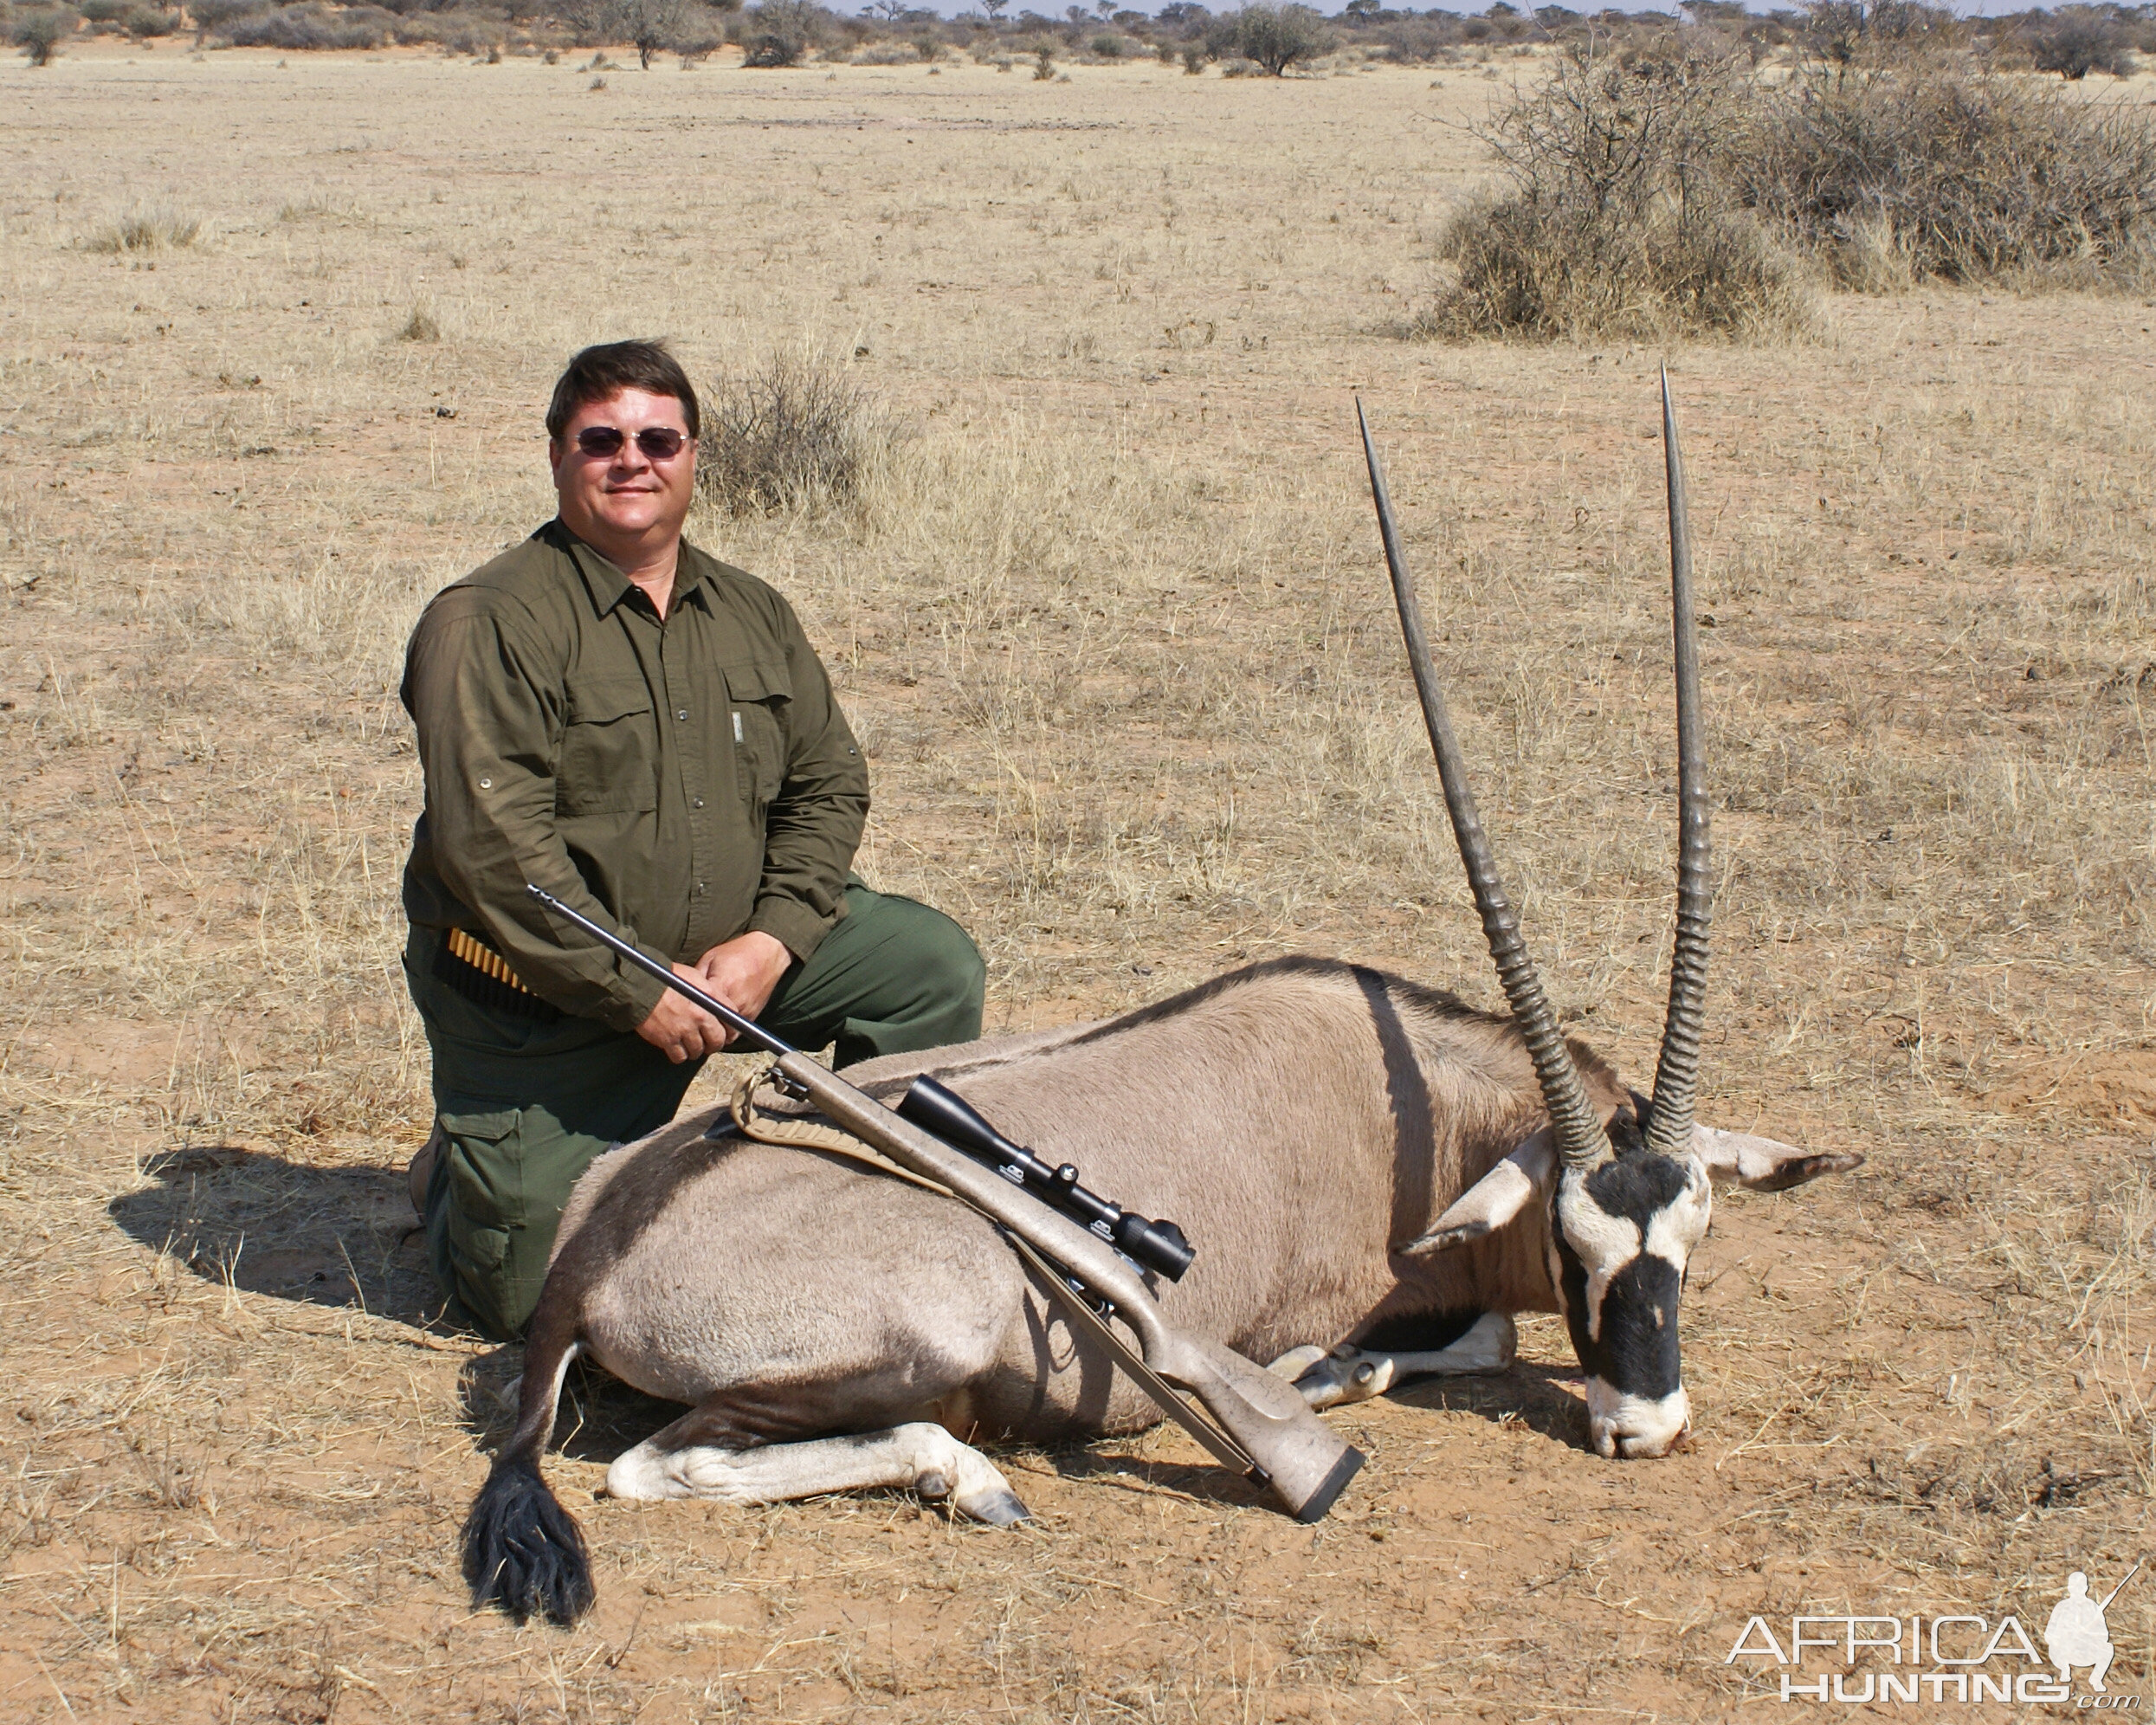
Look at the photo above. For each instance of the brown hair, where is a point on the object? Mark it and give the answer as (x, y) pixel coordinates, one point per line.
(600, 373)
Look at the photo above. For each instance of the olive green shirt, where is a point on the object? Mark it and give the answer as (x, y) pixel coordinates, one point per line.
(681, 782)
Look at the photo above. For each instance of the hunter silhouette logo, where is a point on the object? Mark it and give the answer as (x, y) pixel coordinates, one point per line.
(2076, 1634)
(1957, 1658)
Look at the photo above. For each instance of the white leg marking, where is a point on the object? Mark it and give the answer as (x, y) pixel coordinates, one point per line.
(1348, 1375)
(1297, 1361)
(923, 1457)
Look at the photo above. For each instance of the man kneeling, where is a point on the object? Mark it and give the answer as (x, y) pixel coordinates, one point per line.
(644, 732)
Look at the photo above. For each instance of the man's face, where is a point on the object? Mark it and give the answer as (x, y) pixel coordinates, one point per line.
(628, 493)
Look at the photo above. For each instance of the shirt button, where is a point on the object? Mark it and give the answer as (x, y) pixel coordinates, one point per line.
(683, 714)
(486, 783)
(699, 889)
(697, 803)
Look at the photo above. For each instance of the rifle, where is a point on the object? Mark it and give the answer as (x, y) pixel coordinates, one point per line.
(2121, 1588)
(1074, 1238)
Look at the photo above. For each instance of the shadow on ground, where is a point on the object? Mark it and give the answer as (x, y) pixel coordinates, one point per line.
(341, 1236)
(1546, 1399)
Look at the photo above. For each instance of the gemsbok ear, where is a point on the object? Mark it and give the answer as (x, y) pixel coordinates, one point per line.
(1522, 1179)
(1737, 1159)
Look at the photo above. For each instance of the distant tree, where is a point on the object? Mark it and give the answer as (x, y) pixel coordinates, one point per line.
(2076, 41)
(40, 34)
(1843, 32)
(779, 32)
(215, 15)
(651, 27)
(1274, 37)
(995, 9)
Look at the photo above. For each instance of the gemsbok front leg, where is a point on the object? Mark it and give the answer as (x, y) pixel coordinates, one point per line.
(1346, 1373)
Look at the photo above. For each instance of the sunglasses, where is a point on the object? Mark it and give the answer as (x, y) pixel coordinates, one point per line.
(660, 443)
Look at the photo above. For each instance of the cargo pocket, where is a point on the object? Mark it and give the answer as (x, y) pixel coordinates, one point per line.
(610, 749)
(486, 1195)
(757, 694)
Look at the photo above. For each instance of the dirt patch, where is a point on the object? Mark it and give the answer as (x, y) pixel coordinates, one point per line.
(2107, 1092)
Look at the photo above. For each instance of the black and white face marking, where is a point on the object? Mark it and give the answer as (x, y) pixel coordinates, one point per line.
(1620, 1235)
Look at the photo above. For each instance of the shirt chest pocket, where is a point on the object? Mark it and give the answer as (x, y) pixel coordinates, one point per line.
(757, 694)
(610, 749)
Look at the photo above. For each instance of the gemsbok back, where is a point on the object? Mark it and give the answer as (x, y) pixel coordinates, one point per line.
(1377, 1176)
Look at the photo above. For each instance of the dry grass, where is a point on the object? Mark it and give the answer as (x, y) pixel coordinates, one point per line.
(145, 230)
(1114, 629)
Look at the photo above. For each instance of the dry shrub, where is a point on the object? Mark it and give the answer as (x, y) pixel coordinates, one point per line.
(1938, 172)
(1617, 221)
(799, 434)
(210, 17)
(779, 32)
(145, 230)
(39, 34)
(421, 326)
(311, 25)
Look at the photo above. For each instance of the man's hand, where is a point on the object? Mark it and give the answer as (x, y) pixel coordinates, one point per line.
(679, 1028)
(743, 972)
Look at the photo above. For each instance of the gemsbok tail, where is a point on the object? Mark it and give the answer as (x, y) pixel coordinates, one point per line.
(522, 1550)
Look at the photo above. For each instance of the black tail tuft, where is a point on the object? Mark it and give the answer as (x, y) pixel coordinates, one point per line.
(522, 1550)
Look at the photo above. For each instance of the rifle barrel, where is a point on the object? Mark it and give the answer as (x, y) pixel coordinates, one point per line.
(2121, 1588)
(746, 1028)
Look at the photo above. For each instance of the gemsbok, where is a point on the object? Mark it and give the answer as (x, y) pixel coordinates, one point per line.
(1377, 1176)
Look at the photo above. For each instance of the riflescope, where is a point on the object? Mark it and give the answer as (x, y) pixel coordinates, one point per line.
(1152, 1245)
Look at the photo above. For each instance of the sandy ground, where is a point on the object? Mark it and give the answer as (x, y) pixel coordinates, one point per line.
(1114, 627)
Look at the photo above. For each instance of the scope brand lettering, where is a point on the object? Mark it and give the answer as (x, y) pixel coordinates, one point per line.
(1972, 1660)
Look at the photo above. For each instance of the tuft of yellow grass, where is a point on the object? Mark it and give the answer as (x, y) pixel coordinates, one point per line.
(146, 228)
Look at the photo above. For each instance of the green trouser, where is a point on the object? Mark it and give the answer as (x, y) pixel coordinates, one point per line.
(521, 1107)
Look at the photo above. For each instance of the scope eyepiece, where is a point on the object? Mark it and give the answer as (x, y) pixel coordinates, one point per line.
(1152, 1245)
(1157, 1245)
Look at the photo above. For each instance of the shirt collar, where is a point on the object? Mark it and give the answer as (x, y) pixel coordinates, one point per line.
(608, 586)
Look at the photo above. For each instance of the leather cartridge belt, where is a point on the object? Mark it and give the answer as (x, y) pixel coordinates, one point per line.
(482, 976)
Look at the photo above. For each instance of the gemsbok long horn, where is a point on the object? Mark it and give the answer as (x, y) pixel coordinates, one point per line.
(1677, 1072)
(1580, 1137)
